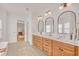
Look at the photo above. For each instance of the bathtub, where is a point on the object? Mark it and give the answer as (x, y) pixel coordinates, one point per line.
(3, 48)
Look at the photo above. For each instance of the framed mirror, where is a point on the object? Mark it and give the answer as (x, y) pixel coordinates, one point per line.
(40, 26)
(67, 23)
(49, 25)
(77, 31)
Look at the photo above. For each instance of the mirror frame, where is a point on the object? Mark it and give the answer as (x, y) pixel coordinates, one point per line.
(59, 19)
(51, 25)
(39, 26)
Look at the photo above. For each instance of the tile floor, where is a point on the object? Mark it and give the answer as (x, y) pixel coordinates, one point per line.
(26, 50)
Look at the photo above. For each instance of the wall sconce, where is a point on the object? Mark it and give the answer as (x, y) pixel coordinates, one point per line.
(40, 18)
(48, 13)
(64, 5)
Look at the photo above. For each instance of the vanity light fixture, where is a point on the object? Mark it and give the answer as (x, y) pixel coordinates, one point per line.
(64, 5)
(40, 18)
(61, 7)
(48, 13)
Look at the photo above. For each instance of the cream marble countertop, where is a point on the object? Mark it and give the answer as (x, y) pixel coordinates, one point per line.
(68, 41)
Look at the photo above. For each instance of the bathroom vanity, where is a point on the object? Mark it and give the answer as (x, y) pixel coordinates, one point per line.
(52, 46)
(64, 43)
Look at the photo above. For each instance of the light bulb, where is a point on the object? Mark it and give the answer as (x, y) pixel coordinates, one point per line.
(39, 18)
(49, 12)
(46, 14)
(61, 7)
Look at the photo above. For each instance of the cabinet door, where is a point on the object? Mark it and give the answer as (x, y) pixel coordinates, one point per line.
(63, 49)
(47, 46)
(56, 51)
(77, 51)
(33, 39)
(39, 42)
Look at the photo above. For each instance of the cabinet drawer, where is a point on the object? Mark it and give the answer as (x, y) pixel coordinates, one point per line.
(63, 49)
(64, 45)
(46, 50)
(68, 53)
(47, 46)
(39, 40)
(46, 42)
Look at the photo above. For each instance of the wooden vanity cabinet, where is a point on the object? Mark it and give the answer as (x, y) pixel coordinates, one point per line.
(53, 47)
(47, 46)
(37, 41)
(33, 40)
(63, 49)
(77, 50)
(56, 51)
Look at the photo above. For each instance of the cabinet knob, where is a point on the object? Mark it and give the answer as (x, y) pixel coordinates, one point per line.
(61, 51)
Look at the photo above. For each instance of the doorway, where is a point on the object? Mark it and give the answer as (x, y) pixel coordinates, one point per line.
(20, 33)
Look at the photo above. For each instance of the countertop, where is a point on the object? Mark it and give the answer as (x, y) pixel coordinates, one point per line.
(68, 41)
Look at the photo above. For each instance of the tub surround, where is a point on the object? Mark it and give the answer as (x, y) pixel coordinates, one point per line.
(3, 48)
(52, 45)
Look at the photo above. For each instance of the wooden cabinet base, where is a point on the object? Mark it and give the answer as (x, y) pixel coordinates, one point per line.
(54, 48)
(37, 41)
(47, 46)
(77, 50)
(63, 49)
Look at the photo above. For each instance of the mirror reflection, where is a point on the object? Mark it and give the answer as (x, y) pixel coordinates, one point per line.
(40, 26)
(67, 23)
(49, 25)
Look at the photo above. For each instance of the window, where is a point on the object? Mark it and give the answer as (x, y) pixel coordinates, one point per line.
(48, 28)
(60, 28)
(67, 28)
(49, 25)
(0, 29)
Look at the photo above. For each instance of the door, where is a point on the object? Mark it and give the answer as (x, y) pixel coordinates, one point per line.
(0, 29)
(56, 51)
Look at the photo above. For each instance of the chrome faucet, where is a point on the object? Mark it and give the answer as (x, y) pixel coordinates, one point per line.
(71, 36)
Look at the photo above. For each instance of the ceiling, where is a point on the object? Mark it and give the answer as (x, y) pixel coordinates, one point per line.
(21, 7)
(35, 8)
